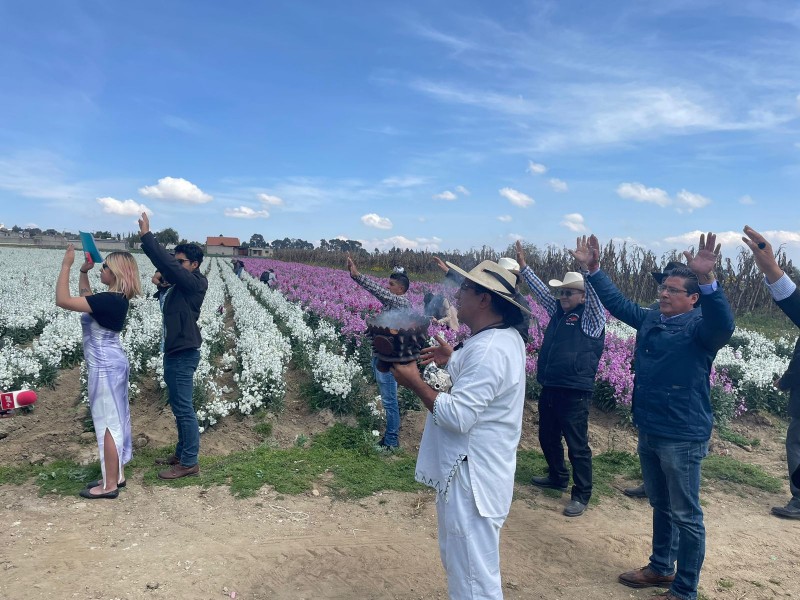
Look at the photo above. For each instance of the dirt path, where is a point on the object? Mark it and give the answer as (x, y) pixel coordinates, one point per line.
(194, 544)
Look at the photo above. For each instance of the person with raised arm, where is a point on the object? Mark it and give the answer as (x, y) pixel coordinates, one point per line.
(392, 297)
(469, 446)
(786, 295)
(675, 348)
(566, 368)
(180, 341)
(108, 370)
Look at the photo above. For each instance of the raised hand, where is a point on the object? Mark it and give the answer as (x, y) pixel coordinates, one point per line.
(584, 254)
(520, 255)
(88, 263)
(440, 263)
(763, 254)
(702, 264)
(351, 266)
(144, 224)
(438, 354)
(69, 256)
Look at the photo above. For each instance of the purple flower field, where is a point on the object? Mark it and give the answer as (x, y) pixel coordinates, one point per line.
(332, 294)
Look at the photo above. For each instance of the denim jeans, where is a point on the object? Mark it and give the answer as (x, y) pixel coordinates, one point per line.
(565, 412)
(179, 369)
(671, 473)
(387, 385)
(793, 457)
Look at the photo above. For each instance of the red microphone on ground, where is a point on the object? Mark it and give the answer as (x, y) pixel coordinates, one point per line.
(18, 399)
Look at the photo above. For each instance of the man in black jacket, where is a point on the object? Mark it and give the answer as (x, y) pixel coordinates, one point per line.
(787, 297)
(180, 342)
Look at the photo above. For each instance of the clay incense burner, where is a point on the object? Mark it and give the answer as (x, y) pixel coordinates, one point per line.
(397, 337)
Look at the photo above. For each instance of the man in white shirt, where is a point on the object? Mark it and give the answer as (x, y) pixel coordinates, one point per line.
(468, 449)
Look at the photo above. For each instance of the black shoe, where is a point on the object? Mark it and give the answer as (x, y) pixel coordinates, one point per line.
(635, 492)
(383, 446)
(574, 509)
(92, 484)
(787, 512)
(86, 493)
(546, 482)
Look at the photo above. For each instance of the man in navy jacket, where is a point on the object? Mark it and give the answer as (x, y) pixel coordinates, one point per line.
(675, 347)
(787, 297)
(181, 340)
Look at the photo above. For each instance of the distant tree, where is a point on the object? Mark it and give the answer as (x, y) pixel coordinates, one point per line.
(16, 229)
(281, 244)
(51, 232)
(32, 231)
(246, 245)
(167, 236)
(102, 235)
(257, 241)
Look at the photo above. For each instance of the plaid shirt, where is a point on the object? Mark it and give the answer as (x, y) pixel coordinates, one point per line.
(594, 315)
(389, 300)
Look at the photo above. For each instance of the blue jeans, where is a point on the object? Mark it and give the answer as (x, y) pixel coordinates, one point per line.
(387, 385)
(179, 371)
(671, 473)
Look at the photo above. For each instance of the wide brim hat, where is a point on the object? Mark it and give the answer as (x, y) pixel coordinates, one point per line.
(494, 278)
(509, 264)
(571, 281)
(661, 276)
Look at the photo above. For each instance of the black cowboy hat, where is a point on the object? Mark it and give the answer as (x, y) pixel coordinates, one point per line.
(661, 276)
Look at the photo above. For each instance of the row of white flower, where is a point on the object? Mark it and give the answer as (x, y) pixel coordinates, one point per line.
(331, 368)
(263, 352)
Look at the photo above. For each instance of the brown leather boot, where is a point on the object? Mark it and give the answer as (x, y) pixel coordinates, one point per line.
(644, 577)
(178, 471)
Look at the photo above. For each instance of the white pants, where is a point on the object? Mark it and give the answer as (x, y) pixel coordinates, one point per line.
(469, 544)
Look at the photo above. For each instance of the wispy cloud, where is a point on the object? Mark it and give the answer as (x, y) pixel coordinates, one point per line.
(270, 200)
(516, 198)
(639, 193)
(746, 200)
(404, 181)
(684, 201)
(445, 195)
(504, 218)
(376, 221)
(127, 208)
(462, 190)
(181, 124)
(245, 212)
(176, 189)
(536, 168)
(402, 242)
(558, 185)
(574, 222)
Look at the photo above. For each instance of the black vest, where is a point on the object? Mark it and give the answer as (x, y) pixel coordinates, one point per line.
(568, 357)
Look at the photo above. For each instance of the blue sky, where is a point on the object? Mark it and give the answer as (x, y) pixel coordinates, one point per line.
(443, 125)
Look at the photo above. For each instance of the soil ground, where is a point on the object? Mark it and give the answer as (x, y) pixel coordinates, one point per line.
(159, 542)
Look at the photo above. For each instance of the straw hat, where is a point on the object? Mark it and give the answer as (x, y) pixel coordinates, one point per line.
(572, 281)
(494, 278)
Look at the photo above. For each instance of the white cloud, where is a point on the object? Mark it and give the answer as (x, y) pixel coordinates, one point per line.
(462, 190)
(378, 222)
(574, 222)
(245, 212)
(688, 202)
(558, 185)
(402, 242)
(728, 239)
(514, 237)
(515, 197)
(536, 168)
(445, 195)
(404, 181)
(176, 189)
(125, 208)
(746, 200)
(504, 218)
(270, 200)
(640, 193)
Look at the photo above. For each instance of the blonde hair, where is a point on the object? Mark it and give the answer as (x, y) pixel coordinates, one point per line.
(126, 274)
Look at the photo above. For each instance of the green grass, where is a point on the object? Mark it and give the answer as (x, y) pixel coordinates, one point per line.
(345, 460)
(773, 325)
(735, 438)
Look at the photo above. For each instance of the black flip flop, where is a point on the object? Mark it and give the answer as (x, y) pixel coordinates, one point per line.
(86, 493)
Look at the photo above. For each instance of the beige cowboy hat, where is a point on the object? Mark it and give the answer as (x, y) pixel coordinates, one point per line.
(572, 281)
(494, 278)
(509, 264)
